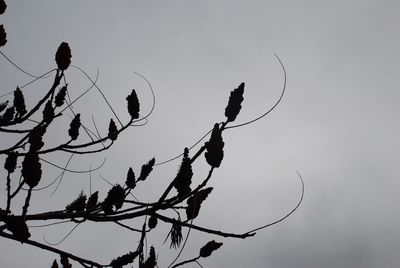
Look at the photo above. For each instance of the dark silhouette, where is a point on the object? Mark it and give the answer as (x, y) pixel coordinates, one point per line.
(23, 159)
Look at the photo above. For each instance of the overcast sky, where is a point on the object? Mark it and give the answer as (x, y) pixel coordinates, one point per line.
(338, 124)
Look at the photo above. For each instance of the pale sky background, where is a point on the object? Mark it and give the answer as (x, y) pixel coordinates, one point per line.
(337, 124)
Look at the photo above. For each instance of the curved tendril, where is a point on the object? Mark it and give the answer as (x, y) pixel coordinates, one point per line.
(30, 82)
(190, 148)
(152, 94)
(62, 240)
(49, 224)
(74, 171)
(62, 175)
(196, 261)
(288, 214)
(19, 68)
(274, 106)
(101, 92)
(142, 124)
(83, 93)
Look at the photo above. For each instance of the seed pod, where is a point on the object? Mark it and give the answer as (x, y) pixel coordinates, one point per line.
(3, 7)
(3, 105)
(194, 203)
(112, 131)
(184, 177)
(7, 116)
(55, 264)
(31, 169)
(48, 112)
(234, 103)
(133, 105)
(36, 139)
(152, 222)
(19, 102)
(65, 262)
(146, 169)
(60, 97)
(206, 250)
(74, 127)
(11, 162)
(123, 260)
(63, 56)
(130, 179)
(115, 198)
(78, 205)
(3, 36)
(214, 147)
(92, 202)
(17, 226)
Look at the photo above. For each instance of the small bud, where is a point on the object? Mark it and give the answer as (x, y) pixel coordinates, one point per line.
(63, 56)
(194, 202)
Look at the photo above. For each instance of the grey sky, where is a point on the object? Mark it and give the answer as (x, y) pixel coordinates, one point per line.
(337, 125)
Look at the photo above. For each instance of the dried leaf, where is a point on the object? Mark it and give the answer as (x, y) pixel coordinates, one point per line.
(146, 169)
(234, 103)
(17, 226)
(92, 202)
(115, 198)
(133, 105)
(176, 234)
(74, 127)
(211, 246)
(214, 147)
(130, 179)
(123, 260)
(60, 97)
(19, 102)
(183, 179)
(31, 169)
(48, 112)
(78, 205)
(112, 131)
(63, 56)
(3, 7)
(11, 162)
(3, 36)
(194, 202)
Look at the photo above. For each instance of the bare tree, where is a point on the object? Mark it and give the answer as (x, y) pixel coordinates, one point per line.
(23, 163)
